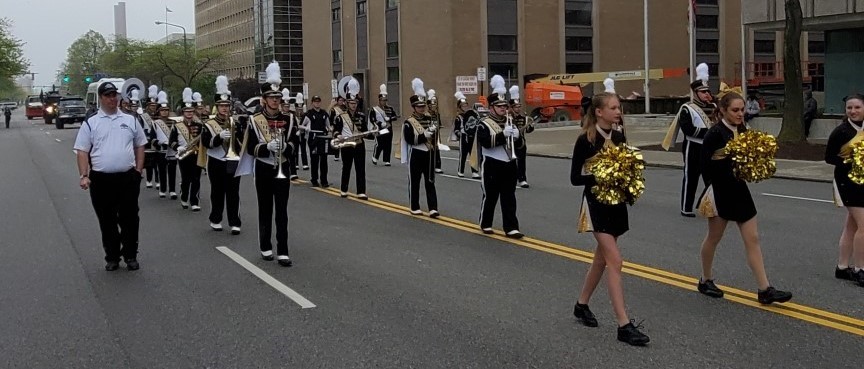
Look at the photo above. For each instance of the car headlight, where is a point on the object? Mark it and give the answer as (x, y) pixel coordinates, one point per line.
(50, 109)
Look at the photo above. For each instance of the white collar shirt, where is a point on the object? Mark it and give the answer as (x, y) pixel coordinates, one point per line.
(110, 140)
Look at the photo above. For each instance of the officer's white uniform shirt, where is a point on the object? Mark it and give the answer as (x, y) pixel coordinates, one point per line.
(111, 141)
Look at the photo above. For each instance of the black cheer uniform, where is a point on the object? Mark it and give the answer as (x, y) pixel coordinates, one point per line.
(499, 174)
(731, 195)
(836, 152)
(224, 184)
(318, 122)
(595, 216)
(347, 124)
(420, 161)
(271, 192)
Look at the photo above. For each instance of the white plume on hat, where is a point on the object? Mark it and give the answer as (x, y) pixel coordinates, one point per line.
(196, 97)
(514, 92)
(133, 96)
(498, 85)
(432, 94)
(222, 86)
(163, 98)
(187, 96)
(459, 96)
(417, 86)
(274, 75)
(609, 84)
(702, 73)
(286, 95)
(353, 87)
(299, 98)
(153, 92)
(382, 90)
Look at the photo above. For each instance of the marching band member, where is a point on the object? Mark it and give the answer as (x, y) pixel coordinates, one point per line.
(525, 125)
(383, 116)
(497, 135)
(287, 109)
(319, 130)
(336, 110)
(299, 112)
(184, 140)
(270, 140)
(166, 164)
(132, 108)
(350, 126)
(418, 151)
(432, 99)
(200, 109)
(726, 198)
(152, 113)
(606, 222)
(693, 120)
(465, 127)
(848, 193)
(221, 138)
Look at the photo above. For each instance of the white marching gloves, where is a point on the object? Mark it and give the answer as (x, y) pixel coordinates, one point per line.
(225, 134)
(275, 146)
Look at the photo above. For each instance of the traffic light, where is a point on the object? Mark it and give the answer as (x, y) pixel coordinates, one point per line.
(66, 78)
(88, 79)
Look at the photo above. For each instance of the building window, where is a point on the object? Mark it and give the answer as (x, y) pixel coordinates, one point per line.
(708, 46)
(816, 47)
(707, 2)
(579, 68)
(763, 47)
(392, 49)
(707, 21)
(361, 8)
(573, 43)
(337, 14)
(392, 4)
(506, 70)
(580, 16)
(763, 70)
(502, 43)
(392, 74)
(337, 56)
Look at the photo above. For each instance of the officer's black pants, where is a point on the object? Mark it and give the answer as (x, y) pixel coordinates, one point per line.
(115, 200)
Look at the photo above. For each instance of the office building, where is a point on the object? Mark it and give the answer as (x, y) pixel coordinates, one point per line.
(228, 25)
(120, 20)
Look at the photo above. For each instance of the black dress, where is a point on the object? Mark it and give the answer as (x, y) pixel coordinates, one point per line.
(731, 195)
(851, 194)
(595, 216)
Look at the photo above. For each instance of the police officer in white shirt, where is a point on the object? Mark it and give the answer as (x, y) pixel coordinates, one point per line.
(110, 149)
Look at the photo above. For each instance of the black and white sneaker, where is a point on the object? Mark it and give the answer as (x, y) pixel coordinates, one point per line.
(487, 230)
(386, 163)
(515, 234)
(267, 255)
(439, 170)
(708, 288)
(216, 227)
(771, 295)
(584, 314)
(434, 214)
(305, 167)
(475, 175)
(235, 230)
(374, 161)
(847, 273)
(416, 212)
(284, 261)
(631, 335)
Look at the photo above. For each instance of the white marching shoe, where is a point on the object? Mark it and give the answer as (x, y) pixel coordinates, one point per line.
(216, 226)
(235, 230)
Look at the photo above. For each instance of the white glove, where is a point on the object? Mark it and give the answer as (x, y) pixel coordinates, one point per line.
(274, 146)
(181, 150)
(511, 132)
(432, 128)
(428, 133)
(225, 134)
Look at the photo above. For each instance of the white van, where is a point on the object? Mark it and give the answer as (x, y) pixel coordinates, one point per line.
(92, 98)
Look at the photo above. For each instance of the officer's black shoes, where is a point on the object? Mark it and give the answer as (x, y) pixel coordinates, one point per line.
(847, 273)
(688, 214)
(631, 335)
(487, 231)
(772, 295)
(584, 314)
(434, 214)
(132, 264)
(285, 261)
(515, 234)
(267, 255)
(708, 288)
(112, 266)
(316, 184)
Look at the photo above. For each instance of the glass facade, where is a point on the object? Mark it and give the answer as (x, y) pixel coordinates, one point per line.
(279, 36)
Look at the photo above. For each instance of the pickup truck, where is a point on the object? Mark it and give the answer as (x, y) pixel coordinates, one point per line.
(70, 109)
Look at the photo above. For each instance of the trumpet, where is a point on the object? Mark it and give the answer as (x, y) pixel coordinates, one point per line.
(510, 146)
(191, 148)
(278, 162)
(350, 141)
(231, 154)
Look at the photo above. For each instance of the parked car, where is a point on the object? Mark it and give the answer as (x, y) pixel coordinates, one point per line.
(70, 109)
(34, 107)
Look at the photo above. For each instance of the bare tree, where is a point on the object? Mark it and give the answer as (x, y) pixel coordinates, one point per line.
(793, 111)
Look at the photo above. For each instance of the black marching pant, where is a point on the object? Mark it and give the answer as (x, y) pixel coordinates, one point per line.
(190, 180)
(357, 156)
(383, 145)
(304, 158)
(419, 169)
(224, 187)
(8, 118)
(521, 161)
(150, 170)
(466, 144)
(692, 153)
(272, 192)
(499, 181)
(318, 156)
(115, 200)
(167, 173)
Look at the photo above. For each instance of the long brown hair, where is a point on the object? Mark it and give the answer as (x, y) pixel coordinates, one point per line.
(724, 104)
(589, 121)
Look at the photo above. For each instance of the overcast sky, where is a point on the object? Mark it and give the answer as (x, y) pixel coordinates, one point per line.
(48, 27)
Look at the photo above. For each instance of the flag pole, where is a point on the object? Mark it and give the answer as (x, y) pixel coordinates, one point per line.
(691, 40)
(647, 68)
(166, 24)
(743, 54)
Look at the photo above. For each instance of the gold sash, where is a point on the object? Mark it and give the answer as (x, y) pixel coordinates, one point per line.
(672, 133)
(494, 130)
(183, 130)
(418, 130)
(262, 126)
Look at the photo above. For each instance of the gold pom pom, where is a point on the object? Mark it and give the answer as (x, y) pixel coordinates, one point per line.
(856, 174)
(752, 154)
(620, 175)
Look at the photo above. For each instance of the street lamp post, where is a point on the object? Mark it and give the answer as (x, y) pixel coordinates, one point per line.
(185, 48)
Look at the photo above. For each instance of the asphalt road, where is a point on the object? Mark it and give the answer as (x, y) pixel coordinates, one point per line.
(395, 291)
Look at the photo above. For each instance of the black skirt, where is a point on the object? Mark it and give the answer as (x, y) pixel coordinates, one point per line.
(598, 217)
(732, 200)
(851, 194)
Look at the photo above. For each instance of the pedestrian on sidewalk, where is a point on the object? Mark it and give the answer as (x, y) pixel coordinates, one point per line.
(7, 113)
(606, 222)
(727, 198)
(753, 108)
(811, 108)
(848, 193)
(110, 150)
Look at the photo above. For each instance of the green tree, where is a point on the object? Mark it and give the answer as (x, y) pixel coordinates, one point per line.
(12, 61)
(83, 60)
(793, 111)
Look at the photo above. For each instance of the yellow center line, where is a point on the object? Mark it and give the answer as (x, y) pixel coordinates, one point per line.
(806, 313)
